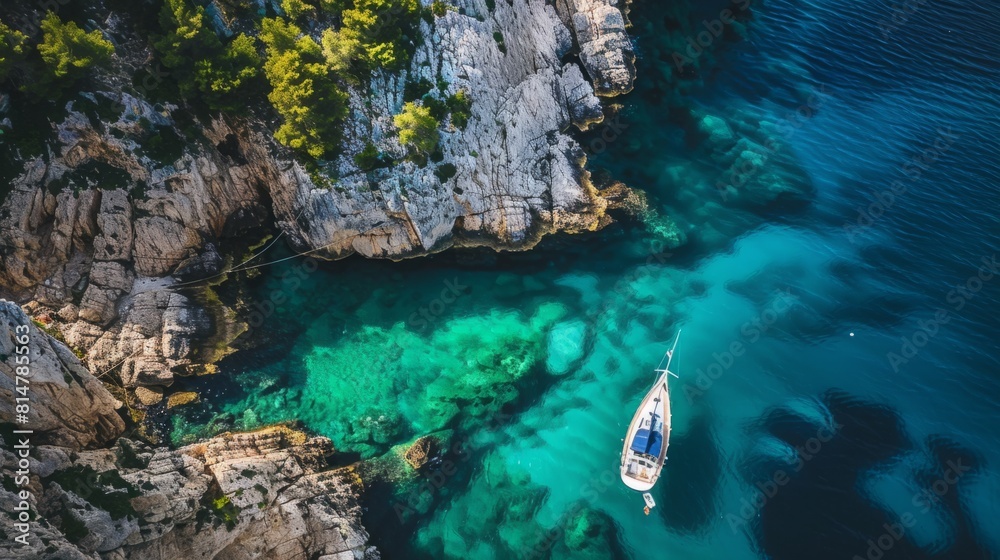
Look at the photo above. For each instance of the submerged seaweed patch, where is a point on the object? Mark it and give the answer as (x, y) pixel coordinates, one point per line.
(467, 369)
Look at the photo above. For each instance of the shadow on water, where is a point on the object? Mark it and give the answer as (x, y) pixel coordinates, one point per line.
(693, 479)
(822, 510)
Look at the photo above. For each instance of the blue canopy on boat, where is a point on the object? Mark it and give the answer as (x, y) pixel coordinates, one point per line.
(647, 442)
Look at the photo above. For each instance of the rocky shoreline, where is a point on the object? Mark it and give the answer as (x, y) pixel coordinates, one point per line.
(103, 263)
(104, 266)
(264, 494)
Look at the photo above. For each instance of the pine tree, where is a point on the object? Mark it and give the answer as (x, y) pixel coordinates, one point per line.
(417, 128)
(12, 50)
(302, 89)
(68, 51)
(203, 67)
(220, 79)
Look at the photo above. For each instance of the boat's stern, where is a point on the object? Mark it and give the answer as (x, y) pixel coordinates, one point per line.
(636, 484)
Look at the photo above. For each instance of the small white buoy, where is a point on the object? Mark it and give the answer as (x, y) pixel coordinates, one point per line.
(852, 334)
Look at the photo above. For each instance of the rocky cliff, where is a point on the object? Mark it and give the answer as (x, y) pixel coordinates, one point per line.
(266, 494)
(69, 406)
(103, 233)
(98, 230)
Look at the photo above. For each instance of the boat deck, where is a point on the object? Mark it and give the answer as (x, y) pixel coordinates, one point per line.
(645, 447)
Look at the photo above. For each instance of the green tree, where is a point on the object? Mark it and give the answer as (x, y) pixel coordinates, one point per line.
(386, 29)
(12, 50)
(186, 37)
(460, 106)
(202, 65)
(68, 51)
(295, 9)
(417, 128)
(220, 79)
(341, 48)
(303, 90)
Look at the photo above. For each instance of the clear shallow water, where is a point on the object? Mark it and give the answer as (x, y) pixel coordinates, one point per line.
(537, 360)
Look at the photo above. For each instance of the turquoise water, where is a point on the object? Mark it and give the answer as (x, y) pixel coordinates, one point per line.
(818, 313)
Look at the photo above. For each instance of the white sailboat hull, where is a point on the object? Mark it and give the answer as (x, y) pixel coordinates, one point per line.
(645, 448)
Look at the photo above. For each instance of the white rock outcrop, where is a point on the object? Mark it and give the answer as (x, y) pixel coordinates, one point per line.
(68, 406)
(94, 254)
(267, 494)
(606, 51)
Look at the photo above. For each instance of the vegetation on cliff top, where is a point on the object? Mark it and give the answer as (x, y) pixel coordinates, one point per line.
(310, 51)
(201, 64)
(417, 128)
(303, 91)
(42, 66)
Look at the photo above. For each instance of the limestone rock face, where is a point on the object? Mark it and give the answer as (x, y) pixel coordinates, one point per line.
(606, 52)
(68, 406)
(279, 503)
(109, 280)
(156, 338)
(266, 494)
(98, 255)
(517, 174)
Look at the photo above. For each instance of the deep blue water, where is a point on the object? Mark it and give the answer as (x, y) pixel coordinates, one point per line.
(835, 175)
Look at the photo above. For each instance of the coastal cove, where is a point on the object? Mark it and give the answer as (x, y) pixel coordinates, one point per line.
(823, 225)
(390, 279)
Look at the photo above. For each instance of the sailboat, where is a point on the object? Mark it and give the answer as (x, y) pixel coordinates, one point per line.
(645, 448)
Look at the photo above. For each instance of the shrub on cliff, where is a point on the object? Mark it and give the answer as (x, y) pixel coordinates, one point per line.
(439, 8)
(387, 30)
(199, 61)
(303, 91)
(220, 79)
(368, 158)
(417, 128)
(13, 49)
(68, 52)
(460, 105)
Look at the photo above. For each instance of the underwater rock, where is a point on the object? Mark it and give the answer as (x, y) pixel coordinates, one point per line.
(664, 229)
(182, 398)
(421, 451)
(590, 533)
(149, 395)
(619, 196)
(716, 128)
(566, 345)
